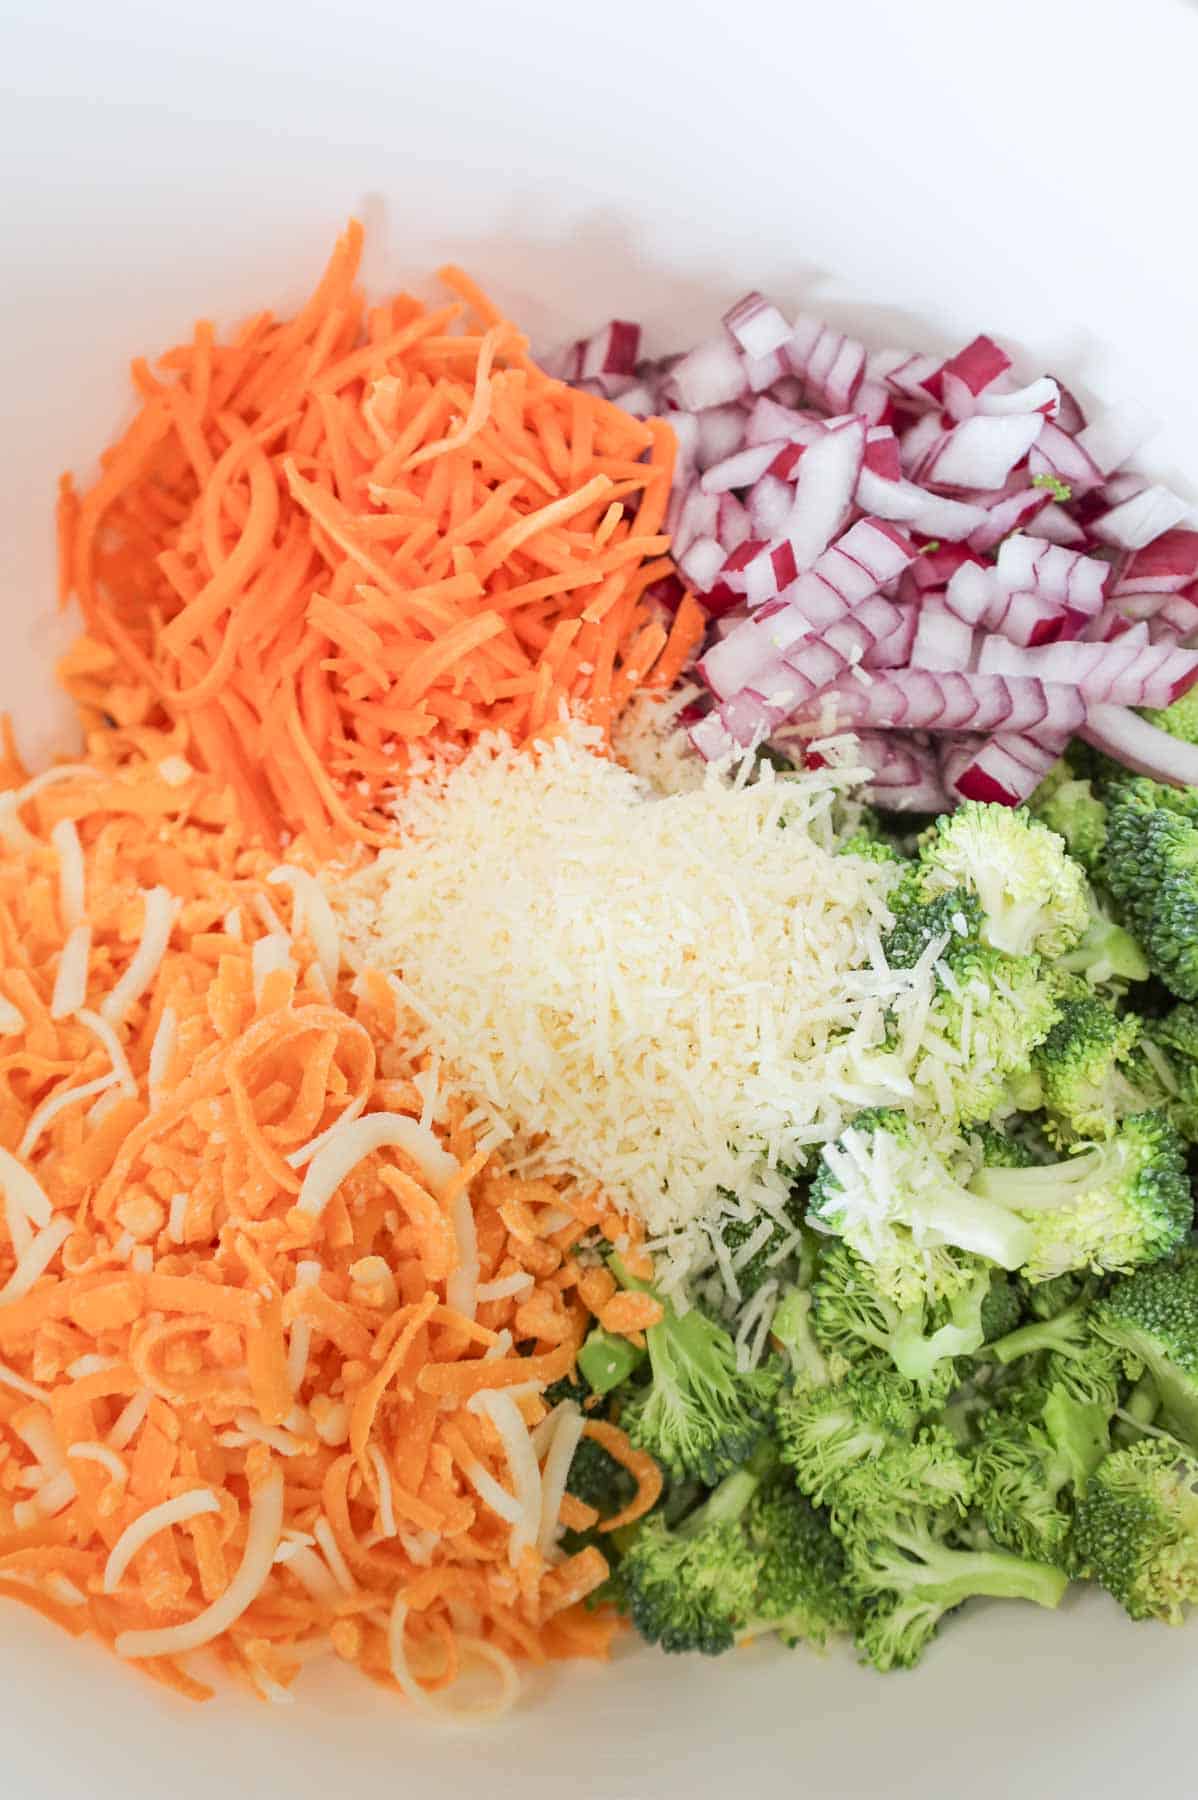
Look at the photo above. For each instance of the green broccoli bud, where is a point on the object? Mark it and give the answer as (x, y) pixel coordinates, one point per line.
(1152, 868)
(885, 1190)
(700, 1415)
(1060, 490)
(1107, 955)
(1033, 896)
(1085, 1073)
(824, 1433)
(1123, 1202)
(1137, 1529)
(800, 1594)
(1151, 1317)
(852, 1317)
(906, 1578)
(691, 1588)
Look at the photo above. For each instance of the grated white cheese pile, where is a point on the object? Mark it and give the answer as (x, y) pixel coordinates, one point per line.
(671, 995)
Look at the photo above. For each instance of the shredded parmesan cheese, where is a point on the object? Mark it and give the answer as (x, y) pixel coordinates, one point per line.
(160, 910)
(155, 1519)
(70, 981)
(72, 878)
(675, 995)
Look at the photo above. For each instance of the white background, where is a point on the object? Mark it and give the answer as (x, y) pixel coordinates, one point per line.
(923, 170)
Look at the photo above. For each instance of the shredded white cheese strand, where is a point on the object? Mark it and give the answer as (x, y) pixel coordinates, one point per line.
(262, 1540)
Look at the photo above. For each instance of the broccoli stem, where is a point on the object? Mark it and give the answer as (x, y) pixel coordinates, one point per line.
(1064, 1334)
(995, 1575)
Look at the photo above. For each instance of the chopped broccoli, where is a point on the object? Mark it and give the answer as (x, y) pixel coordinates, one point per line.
(1137, 1529)
(1033, 896)
(886, 1191)
(1106, 955)
(989, 1010)
(1151, 866)
(870, 848)
(599, 1480)
(1037, 1451)
(851, 1317)
(998, 1149)
(692, 1587)
(606, 1361)
(1069, 1353)
(1086, 1073)
(1168, 1051)
(824, 1433)
(928, 1471)
(800, 1594)
(1060, 490)
(700, 1415)
(1065, 801)
(791, 1328)
(1002, 1308)
(905, 1577)
(1151, 1317)
(1123, 1202)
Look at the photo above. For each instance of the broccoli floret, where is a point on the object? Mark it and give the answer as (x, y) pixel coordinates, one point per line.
(886, 1191)
(800, 1593)
(1047, 1299)
(1151, 866)
(692, 1587)
(700, 1414)
(825, 1433)
(906, 1577)
(870, 848)
(928, 1471)
(1067, 1351)
(1168, 1052)
(1037, 1451)
(1002, 1308)
(1152, 1319)
(1087, 1076)
(1137, 1529)
(989, 1010)
(852, 1318)
(999, 1149)
(606, 1361)
(1123, 1202)
(1107, 955)
(1033, 896)
(1065, 801)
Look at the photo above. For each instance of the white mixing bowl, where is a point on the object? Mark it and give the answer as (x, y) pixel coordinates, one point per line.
(923, 171)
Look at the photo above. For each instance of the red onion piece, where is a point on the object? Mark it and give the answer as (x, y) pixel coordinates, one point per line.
(943, 640)
(1124, 735)
(1029, 562)
(981, 452)
(711, 374)
(757, 326)
(1165, 566)
(829, 365)
(1127, 672)
(827, 478)
(1136, 522)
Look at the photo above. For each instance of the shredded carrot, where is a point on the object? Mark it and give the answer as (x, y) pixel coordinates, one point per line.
(642, 1468)
(314, 546)
(199, 1340)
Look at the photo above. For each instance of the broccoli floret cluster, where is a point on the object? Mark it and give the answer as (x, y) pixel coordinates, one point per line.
(980, 1376)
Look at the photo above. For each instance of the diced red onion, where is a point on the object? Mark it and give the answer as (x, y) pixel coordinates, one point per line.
(740, 469)
(770, 503)
(1026, 561)
(720, 433)
(1057, 454)
(1124, 673)
(702, 561)
(981, 452)
(1008, 514)
(1041, 395)
(827, 479)
(1124, 735)
(698, 517)
(711, 374)
(1006, 769)
(1055, 524)
(1165, 566)
(904, 373)
(943, 640)
(1136, 522)
(757, 326)
(829, 365)
(1114, 436)
(920, 700)
(972, 369)
(894, 650)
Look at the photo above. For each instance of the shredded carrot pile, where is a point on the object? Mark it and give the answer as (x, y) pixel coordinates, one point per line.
(340, 533)
(255, 1396)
